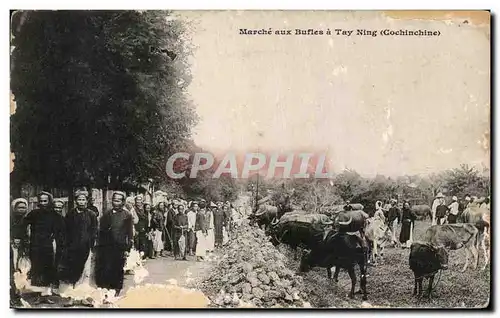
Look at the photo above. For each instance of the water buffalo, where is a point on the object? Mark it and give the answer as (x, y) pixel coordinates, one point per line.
(422, 211)
(341, 250)
(351, 221)
(264, 215)
(299, 230)
(425, 261)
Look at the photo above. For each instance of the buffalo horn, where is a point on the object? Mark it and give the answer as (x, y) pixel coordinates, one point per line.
(274, 221)
(346, 223)
(259, 214)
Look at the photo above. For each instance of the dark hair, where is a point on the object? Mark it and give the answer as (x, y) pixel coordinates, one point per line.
(118, 195)
(202, 205)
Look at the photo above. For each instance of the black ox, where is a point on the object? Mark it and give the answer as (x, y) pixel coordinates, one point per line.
(298, 230)
(425, 261)
(341, 250)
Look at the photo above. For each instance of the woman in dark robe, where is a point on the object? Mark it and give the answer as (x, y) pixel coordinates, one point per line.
(148, 211)
(18, 231)
(180, 233)
(408, 218)
(18, 245)
(219, 223)
(169, 228)
(141, 227)
(115, 241)
(46, 228)
(81, 234)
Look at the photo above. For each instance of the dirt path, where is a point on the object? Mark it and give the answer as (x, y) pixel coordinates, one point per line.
(186, 273)
(160, 270)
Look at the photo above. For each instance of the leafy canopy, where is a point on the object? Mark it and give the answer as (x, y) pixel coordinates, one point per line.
(99, 94)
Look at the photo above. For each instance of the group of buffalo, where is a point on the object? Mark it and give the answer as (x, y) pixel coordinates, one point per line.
(350, 237)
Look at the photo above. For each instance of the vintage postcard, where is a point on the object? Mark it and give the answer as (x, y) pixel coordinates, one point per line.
(250, 159)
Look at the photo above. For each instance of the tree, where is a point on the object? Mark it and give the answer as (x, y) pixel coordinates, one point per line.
(100, 96)
(466, 181)
(348, 184)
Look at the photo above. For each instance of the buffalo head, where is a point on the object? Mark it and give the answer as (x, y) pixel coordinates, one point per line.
(435, 256)
(345, 222)
(442, 256)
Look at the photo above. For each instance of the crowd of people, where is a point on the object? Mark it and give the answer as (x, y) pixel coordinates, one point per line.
(59, 247)
(448, 213)
(181, 228)
(441, 213)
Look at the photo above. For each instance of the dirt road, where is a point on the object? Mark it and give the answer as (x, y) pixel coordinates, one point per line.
(160, 270)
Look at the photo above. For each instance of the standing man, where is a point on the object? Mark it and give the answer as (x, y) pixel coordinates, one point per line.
(393, 218)
(201, 229)
(462, 205)
(180, 226)
(115, 242)
(81, 235)
(141, 227)
(210, 227)
(219, 223)
(441, 212)
(453, 207)
(47, 228)
(435, 204)
(169, 225)
(157, 228)
(191, 216)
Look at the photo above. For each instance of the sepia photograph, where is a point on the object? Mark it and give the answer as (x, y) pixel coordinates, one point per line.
(241, 159)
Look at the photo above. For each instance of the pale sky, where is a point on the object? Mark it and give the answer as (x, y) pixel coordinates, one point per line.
(389, 105)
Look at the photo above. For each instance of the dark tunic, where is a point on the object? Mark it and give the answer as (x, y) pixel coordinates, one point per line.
(219, 223)
(18, 232)
(141, 228)
(393, 214)
(94, 209)
(407, 219)
(180, 227)
(441, 211)
(47, 226)
(163, 230)
(115, 239)
(157, 221)
(201, 221)
(170, 229)
(81, 234)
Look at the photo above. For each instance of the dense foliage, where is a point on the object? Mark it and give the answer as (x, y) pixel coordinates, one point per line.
(99, 95)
